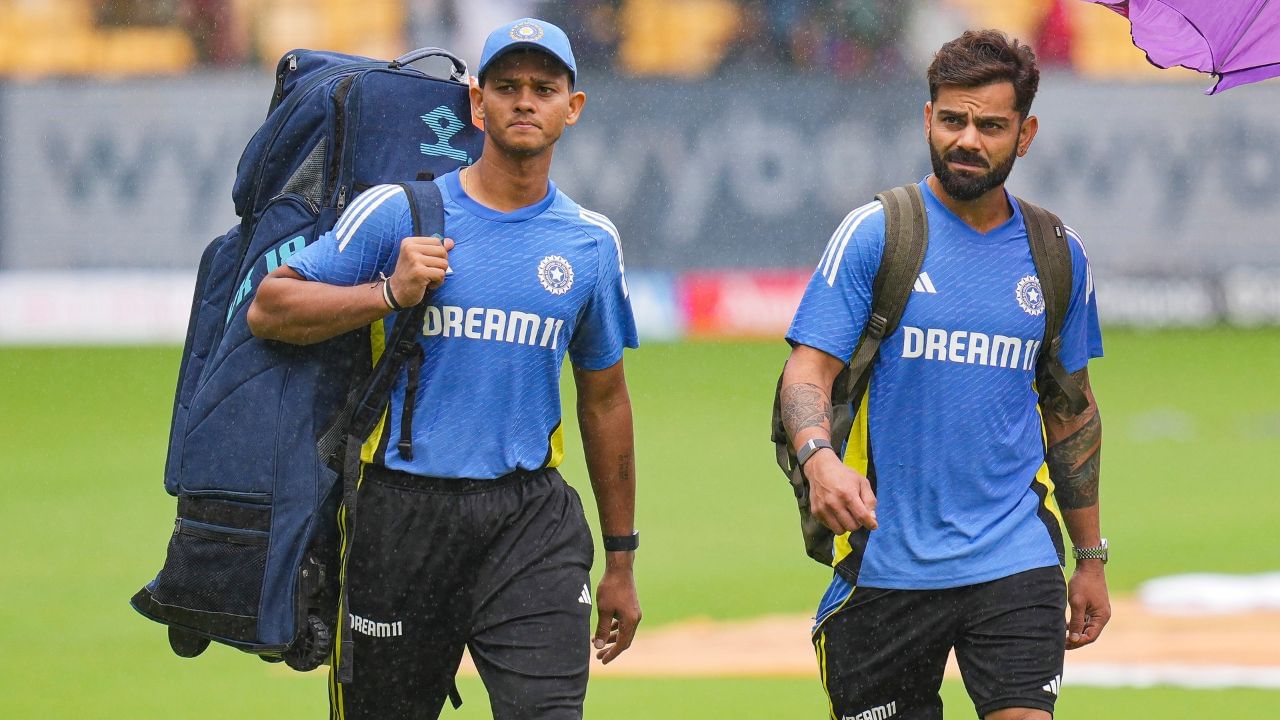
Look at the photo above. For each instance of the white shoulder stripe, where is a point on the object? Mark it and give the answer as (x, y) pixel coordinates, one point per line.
(1088, 278)
(603, 223)
(834, 242)
(838, 255)
(1071, 233)
(363, 211)
(358, 204)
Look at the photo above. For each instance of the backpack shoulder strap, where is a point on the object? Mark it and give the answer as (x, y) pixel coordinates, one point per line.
(905, 242)
(1052, 257)
(906, 239)
(368, 398)
(427, 207)
(340, 445)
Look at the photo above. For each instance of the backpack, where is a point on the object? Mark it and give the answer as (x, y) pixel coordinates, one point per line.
(253, 561)
(906, 240)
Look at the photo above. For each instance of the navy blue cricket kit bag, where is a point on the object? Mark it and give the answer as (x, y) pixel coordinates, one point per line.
(253, 559)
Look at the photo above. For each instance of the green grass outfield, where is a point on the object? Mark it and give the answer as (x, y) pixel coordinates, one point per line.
(1192, 421)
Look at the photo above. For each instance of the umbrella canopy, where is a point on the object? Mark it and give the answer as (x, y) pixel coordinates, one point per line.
(1237, 40)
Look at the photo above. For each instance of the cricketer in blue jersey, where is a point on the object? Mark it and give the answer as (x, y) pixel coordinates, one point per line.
(957, 477)
(514, 300)
(471, 538)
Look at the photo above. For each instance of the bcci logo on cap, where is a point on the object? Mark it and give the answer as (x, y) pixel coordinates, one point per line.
(1030, 298)
(556, 274)
(526, 31)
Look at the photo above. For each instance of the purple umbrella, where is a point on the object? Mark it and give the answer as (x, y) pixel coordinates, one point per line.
(1237, 40)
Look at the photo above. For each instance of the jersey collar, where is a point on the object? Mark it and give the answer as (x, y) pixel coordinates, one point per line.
(454, 186)
(1004, 231)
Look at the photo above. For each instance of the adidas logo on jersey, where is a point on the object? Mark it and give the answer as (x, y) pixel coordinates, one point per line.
(1054, 686)
(924, 284)
(585, 596)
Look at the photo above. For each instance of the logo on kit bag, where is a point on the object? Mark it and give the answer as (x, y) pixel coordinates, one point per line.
(445, 124)
(556, 274)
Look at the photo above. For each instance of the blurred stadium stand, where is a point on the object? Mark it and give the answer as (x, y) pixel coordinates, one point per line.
(725, 138)
(666, 38)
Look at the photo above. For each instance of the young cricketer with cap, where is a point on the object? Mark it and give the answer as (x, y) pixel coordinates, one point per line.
(472, 538)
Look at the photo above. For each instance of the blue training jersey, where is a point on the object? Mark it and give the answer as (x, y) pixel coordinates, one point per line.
(950, 429)
(523, 288)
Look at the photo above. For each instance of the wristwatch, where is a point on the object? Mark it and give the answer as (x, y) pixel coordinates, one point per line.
(1092, 553)
(807, 450)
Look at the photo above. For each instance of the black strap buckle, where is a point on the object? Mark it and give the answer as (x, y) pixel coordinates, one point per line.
(876, 325)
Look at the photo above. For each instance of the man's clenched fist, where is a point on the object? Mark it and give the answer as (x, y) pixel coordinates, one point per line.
(421, 267)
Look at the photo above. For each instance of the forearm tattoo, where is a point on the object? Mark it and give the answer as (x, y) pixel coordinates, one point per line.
(626, 461)
(1074, 460)
(804, 405)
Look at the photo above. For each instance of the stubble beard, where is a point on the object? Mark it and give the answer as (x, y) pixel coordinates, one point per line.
(965, 186)
(523, 150)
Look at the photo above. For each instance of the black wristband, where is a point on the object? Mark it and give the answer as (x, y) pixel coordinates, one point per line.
(389, 297)
(622, 543)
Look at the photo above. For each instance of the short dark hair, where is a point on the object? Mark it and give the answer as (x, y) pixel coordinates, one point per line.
(983, 57)
(528, 51)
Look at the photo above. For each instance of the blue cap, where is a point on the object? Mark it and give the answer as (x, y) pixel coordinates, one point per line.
(528, 33)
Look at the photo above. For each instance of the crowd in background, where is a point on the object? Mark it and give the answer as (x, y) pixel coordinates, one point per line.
(646, 38)
(841, 38)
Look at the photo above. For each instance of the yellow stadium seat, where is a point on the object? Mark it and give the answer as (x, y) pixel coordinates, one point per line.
(673, 38)
(58, 37)
(69, 53)
(283, 25)
(45, 37)
(149, 51)
(374, 27)
(1102, 47)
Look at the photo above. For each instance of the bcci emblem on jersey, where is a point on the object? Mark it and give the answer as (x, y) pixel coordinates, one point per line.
(1030, 298)
(556, 274)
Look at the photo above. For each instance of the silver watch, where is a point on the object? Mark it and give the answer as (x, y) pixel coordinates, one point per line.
(1092, 553)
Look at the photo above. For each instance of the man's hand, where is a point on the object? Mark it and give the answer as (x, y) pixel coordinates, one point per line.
(604, 416)
(421, 266)
(1090, 606)
(618, 607)
(838, 495)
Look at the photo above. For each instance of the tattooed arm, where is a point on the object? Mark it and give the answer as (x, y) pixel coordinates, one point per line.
(604, 414)
(1073, 455)
(838, 496)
